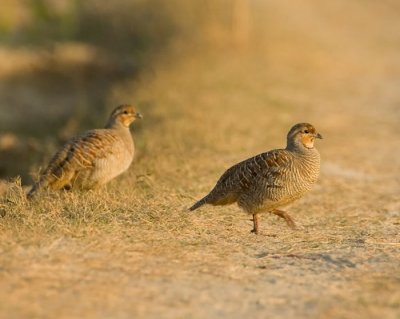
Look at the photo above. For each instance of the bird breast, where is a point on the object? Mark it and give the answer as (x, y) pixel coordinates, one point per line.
(303, 174)
(115, 162)
(294, 181)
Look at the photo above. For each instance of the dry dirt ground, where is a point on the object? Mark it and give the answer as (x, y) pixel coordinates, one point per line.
(133, 251)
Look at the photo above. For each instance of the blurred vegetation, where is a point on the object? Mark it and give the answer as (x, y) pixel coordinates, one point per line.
(64, 64)
(65, 58)
(109, 24)
(136, 26)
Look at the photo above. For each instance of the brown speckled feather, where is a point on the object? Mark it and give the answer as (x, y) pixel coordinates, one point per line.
(93, 158)
(77, 156)
(270, 180)
(264, 169)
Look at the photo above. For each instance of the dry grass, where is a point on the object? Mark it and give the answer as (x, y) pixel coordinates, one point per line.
(133, 250)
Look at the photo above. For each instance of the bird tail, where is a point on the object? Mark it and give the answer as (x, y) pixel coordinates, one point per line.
(32, 191)
(35, 188)
(200, 203)
(44, 181)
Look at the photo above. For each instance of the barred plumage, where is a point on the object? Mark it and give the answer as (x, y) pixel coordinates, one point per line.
(270, 180)
(93, 158)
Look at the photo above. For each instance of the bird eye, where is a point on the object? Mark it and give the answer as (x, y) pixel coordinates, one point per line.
(125, 112)
(306, 131)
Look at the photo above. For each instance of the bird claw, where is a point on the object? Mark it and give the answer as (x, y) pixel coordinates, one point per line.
(254, 231)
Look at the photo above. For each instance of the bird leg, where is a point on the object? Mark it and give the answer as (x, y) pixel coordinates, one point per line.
(255, 223)
(286, 217)
(67, 187)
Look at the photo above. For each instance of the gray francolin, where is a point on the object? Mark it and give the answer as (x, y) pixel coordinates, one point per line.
(93, 158)
(270, 180)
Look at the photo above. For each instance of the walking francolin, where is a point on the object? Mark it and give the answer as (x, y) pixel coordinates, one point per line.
(270, 180)
(93, 158)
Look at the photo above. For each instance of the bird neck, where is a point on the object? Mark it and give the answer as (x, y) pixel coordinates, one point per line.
(298, 147)
(122, 131)
(115, 124)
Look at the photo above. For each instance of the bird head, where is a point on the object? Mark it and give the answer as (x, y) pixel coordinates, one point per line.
(125, 115)
(302, 135)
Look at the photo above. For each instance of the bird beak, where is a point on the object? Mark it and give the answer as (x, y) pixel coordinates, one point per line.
(138, 115)
(318, 136)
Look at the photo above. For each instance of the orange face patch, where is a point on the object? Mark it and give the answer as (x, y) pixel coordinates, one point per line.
(307, 140)
(127, 119)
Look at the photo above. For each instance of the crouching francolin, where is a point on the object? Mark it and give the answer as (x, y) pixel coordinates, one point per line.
(93, 158)
(270, 180)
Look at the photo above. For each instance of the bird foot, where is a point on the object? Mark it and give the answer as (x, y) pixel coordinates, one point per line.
(286, 217)
(255, 231)
(292, 225)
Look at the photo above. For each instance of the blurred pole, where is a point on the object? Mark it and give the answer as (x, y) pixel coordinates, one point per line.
(241, 22)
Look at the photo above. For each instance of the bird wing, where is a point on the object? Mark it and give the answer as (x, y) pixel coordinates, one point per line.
(81, 152)
(264, 168)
